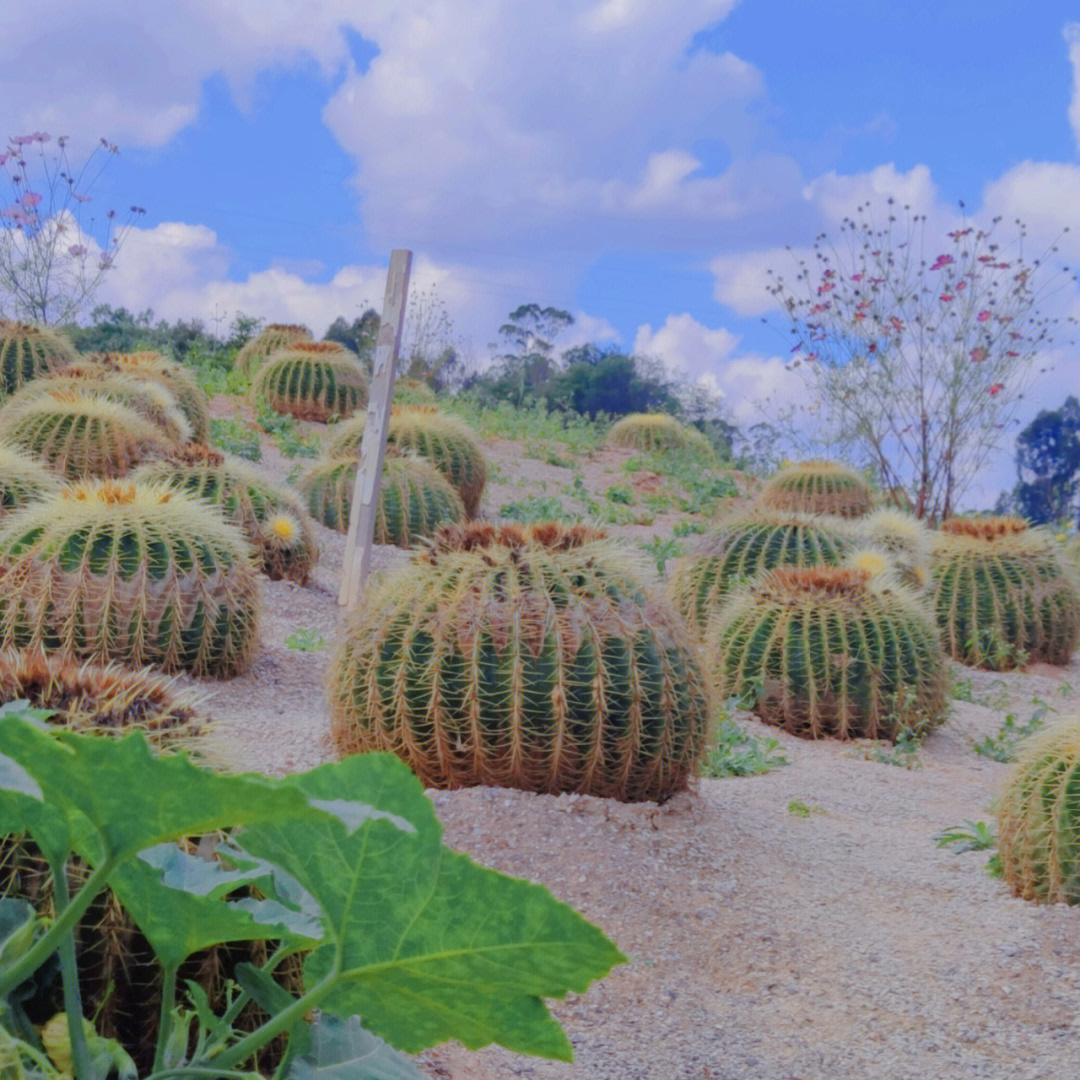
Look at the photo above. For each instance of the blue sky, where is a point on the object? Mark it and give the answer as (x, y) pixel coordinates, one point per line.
(635, 163)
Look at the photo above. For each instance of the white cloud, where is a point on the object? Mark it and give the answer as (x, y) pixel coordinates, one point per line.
(685, 345)
(836, 196)
(1072, 38)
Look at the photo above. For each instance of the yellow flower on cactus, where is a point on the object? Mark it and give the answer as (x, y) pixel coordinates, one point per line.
(283, 527)
(873, 562)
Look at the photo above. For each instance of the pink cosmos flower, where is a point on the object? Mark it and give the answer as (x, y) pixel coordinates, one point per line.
(983, 316)
(942, 260)
(76, 250)
(946, 297)
(979, 354)
(996, 389)
(30, 198)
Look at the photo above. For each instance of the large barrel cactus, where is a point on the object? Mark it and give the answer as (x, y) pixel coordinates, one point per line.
(150, 400)
(414, 498)
(1039, 818)
(79, 435)
(137, 573)
(830, 651)
(649, 432)
(276, 336)
(530, 658)
(1002, 594)
(28, 351)
(745, 546)
(311, 380)
(447, 442)
(152, 367)
(818, 487)
(22, 480)
(272, 518)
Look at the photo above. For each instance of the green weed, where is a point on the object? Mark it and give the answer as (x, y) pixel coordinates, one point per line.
(1002, 746)
(235, 437)
(307, 640)
(738, 753)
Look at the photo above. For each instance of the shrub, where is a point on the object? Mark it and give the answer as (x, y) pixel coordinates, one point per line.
(414, 498)
(80, 436)
(311, 380)
(28, 351)
(818, 487)
(658, 431)
(445, 441)
(1002, 594)
(413, 392)
(138, 573)
(276, 336)
(1039, 818)
(743, 547)
(272, 519)
(833, 652)
(22, 480)
(523, 657)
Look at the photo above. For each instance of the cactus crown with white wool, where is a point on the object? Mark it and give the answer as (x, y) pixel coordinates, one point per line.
(137, 573)
(1002, 594)
(532, 658)
(830, 651)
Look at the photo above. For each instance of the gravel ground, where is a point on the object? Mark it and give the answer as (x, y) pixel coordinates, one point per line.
(762, 945)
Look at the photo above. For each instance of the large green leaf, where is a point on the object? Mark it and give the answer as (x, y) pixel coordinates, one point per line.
(427, 946)
(344, 1050)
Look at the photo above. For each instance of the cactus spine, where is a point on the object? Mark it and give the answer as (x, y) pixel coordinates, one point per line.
(22, 480)
(1039, 818)
(271, 518)
(79, 435)
(649, 432)
(448, 443)
(27, 352)
(1002, 594)
(818, 487)
(746, 546)
(276, 336)
(140, 574)
(414, 498)
(311, 380)
(527, 658)
(830, 651)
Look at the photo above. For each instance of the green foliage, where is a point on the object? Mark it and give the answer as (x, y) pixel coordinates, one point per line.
(685, 527)
(902, 753)
(797, 808)
(1039, 817)
(533, 422)
(421, 942)
(235, 437)
(818, 487)
(620, 493)
(738, 753)
(286, 433)
(138, 573)
(522, 657)
(609, 384)
(970, 836)
(1003, 746)
(662, 549)
(536, 508)
(1002, 595)
(743, 547)
(1048, 464)
(306, 640)
(28, 351)
(837, 654)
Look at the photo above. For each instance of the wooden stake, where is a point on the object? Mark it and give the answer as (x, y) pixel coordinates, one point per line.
(373, 445)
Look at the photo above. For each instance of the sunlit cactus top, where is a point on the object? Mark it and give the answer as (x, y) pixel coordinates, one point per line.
(818, 487)
(985, 528)
(658, 431)
(252, 353)
(311, 380)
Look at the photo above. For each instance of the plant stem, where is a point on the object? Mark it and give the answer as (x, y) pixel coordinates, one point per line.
(241, 999)
(65, 923)
(168, 1000)
(80, 1052)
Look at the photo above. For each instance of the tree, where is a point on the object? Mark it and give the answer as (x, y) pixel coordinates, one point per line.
(613, 384)
(359, 335)
(1048, 464)
(918, 360)
(54, 254)
(527, 361)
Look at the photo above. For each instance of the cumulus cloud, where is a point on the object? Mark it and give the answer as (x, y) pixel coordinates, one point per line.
(1072, 39)
(685, 345)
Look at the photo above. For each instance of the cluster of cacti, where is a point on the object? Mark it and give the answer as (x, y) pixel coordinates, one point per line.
(414, 498)
(649, 432)
(22, 479)
(1039, 818)
(102, 700)
(79, 435)
(745, 546)
(413, 392)
(276, 336)
(523, 657)
(138, 573)
(177, 379)
(818, 487)
(1002, 594)
(447, 442)
(902, 538)
(271, 518)
(830, 651)
(150, 400)
(28, 351)
(311, 380)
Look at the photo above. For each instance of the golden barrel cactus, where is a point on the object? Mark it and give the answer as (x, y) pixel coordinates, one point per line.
(649, 432)
(28, 352)
(818, 487)
(275, 336)
(311, 380)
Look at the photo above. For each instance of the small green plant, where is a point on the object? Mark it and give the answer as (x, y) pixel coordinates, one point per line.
(535, 508)
(1003, 746)
(797, 808)
(738, 753)
(286, 433)
(306, 640)
(235, 437)
(903, 754)
(972, 836)
(620, 493)
(661, 549)
(685, 527)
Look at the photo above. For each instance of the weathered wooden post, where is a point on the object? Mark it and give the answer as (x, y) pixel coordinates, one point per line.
(373, 445)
